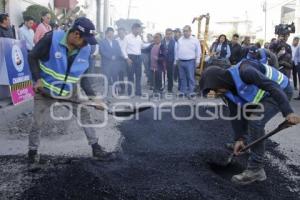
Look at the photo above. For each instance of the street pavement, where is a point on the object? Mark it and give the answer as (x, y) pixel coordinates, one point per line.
(162, 159)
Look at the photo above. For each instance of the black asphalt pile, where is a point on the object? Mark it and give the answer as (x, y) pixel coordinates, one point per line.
(164, 159)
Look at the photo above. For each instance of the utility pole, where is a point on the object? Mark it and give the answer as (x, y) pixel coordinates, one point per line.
(265, 11)
(129, 9)
(106, 14)
(98, 17)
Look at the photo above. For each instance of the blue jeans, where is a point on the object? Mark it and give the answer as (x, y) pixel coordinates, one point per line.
(134, 73)
(256, 129)
(187, 76)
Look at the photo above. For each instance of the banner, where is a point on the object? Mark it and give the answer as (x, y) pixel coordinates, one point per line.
(18, 72)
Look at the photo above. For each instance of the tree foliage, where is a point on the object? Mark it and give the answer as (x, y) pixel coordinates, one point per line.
(127, 23)
(35, 11)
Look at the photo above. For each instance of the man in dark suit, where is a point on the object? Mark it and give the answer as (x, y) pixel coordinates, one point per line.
(236, 50)
(167, 54)
(6, 30)
(111, 56)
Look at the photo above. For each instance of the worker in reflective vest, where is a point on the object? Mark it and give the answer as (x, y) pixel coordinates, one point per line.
(251, 85)
(57, 62)
(262, 55)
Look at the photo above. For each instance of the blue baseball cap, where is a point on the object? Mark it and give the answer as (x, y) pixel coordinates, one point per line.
(253, 52)
(87, 28)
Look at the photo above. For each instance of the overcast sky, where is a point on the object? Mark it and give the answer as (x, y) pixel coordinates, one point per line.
(177, 13)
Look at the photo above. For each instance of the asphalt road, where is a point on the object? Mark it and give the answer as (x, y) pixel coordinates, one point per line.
(161, 159)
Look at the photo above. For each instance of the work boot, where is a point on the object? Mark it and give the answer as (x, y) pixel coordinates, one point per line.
(297, 98)
(249, 176)
(100, 154)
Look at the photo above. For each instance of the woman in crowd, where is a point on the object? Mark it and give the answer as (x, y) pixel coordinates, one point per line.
(220, 51)
(221, 48)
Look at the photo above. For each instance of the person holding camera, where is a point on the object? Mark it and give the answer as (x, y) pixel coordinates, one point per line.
(282, 49)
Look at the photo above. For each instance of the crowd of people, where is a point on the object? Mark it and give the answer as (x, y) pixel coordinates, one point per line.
(161, 56)
(175, 56)
(28, 30)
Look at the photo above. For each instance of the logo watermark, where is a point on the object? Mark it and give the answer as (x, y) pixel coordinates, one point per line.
(180, 109)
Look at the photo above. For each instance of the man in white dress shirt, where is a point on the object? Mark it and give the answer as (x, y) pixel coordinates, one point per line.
(187, 55)
(134, 45)
(26, 33)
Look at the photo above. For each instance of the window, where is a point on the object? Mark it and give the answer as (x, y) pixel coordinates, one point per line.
(2, 6)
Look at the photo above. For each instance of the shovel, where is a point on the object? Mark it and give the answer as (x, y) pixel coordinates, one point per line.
(119, 113)
(282, 126)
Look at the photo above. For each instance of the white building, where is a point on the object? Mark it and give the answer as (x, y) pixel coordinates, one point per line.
(279, 11)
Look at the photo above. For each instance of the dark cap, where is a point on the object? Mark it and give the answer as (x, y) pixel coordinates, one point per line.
(253, 49)
(214, 77)
(87, 28)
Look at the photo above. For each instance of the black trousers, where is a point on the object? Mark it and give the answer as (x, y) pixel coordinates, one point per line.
(170, 75)
(134, 73)
(156, 80)
(295, 74)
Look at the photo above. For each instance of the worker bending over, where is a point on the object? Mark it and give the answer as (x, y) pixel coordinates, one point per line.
(255, 83)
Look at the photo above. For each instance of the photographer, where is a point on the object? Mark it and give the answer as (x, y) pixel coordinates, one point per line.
(282, 49)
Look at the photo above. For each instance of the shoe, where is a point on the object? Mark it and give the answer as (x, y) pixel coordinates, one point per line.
(181, 95)
(249, 176)
(100, 154)
(33, 157)
(192, 96)
(297, 98)
(33, 161)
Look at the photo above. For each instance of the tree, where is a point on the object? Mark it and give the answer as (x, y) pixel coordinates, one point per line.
(35, 11)
(127, 23)
(65, 18)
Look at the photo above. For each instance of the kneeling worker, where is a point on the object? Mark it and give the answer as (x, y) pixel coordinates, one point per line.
(57, 62)
(255, 83)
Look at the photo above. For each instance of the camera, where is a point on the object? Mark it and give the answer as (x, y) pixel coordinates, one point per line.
(285, 29)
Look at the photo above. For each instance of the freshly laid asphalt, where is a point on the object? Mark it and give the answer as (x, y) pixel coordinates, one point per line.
(161, 159)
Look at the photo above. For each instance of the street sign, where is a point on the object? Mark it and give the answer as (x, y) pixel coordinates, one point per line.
(17, 75)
